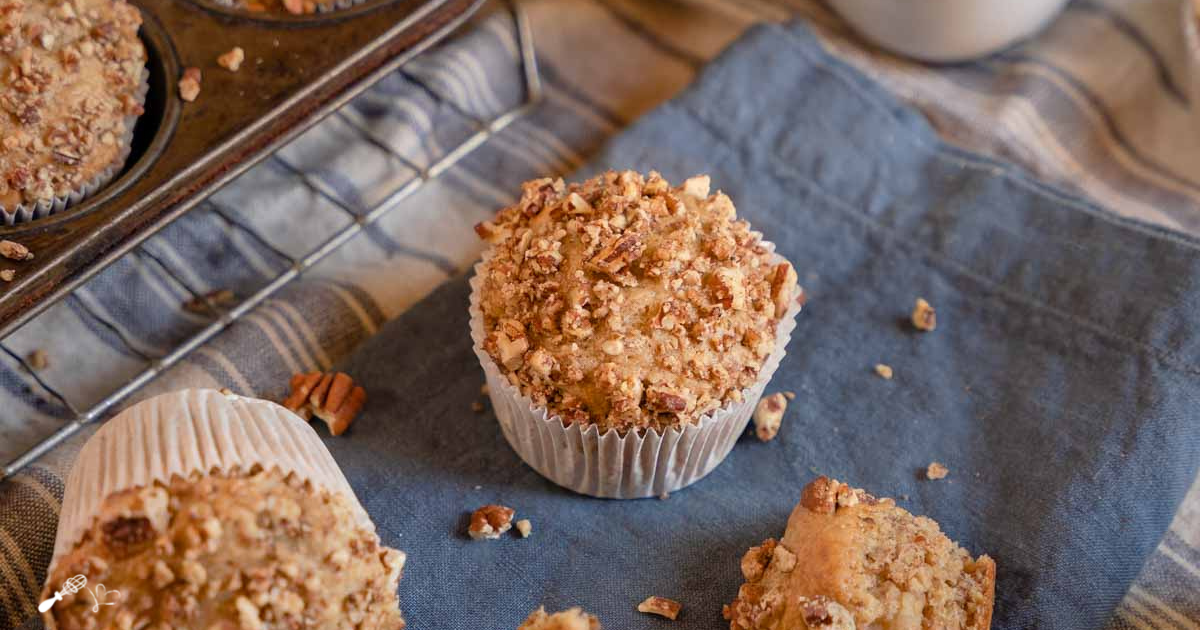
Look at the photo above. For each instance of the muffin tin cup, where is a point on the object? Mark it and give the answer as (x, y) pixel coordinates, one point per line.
(185, 432)
(25, 213)
(609, 465)
(323, 8)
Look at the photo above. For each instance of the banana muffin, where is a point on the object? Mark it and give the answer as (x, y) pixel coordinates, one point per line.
(75, 71)
(230, 551)
(571, 619)
(629, 304)
(849, 560)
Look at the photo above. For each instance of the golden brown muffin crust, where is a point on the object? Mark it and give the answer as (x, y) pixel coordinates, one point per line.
(570, 619)
(72, 70)
(231, 552)
(627, 303)
(850, 560)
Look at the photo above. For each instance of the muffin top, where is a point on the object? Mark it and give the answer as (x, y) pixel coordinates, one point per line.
(627, 303)
(72, 70)
(230, 551)
(571, 619)
(850, 560)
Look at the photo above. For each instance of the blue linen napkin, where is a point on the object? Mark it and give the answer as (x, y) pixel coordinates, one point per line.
(1060, 387)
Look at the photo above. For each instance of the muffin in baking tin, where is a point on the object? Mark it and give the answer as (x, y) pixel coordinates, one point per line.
(76, 82)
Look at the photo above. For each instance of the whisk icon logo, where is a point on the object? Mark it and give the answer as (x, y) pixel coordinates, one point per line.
(70, 587)
(79, 583)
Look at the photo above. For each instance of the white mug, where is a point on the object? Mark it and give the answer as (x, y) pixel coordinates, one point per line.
(947, 30)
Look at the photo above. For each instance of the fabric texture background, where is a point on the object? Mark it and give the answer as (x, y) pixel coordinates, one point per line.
(1107, 122)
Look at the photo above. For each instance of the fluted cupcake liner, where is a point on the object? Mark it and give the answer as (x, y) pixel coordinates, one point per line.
(185, 432)
(24, 213)
(607, 464)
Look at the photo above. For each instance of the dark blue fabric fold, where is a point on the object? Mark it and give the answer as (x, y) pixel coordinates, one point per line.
(1061, 385)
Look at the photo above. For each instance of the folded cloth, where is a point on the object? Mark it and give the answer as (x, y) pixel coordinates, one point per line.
(1059, 388)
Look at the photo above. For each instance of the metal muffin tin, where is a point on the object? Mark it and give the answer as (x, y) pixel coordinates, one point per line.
(297, 70)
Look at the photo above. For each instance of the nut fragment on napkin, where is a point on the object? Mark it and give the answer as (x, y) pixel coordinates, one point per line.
(331, 396)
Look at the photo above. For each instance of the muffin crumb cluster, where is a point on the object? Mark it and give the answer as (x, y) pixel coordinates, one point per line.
(628, 303)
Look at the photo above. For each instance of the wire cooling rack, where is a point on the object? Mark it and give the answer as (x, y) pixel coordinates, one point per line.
(224, 315)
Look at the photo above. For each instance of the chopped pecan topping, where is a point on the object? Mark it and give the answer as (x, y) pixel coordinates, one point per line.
(820, 495)
(623, 269)
(756, 560)
(617, 254)
(665, 401)
(823, 613)
(125, 534)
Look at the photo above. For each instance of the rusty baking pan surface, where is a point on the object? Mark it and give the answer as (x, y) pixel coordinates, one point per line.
(183, 152)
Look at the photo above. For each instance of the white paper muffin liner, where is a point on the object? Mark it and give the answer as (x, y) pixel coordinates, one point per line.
(610, 465)
(24, 213)
(191, 431)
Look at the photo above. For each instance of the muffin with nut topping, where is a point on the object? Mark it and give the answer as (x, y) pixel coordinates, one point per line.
(76, 81)
(624, 309)
(200, 509)
(849, 560)
(570, 619)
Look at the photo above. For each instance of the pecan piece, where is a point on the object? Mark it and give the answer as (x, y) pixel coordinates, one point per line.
(124, 535)
(332, 397)
(820, 495)
(301, 386)
(768, 415)
(489, 521)
(189, 84)
(823, 613)
(756, 559)
(233, 59)
(660, 606)
(617, 254)
(936, 471)
(665, 401)
(783, 280)
(511, 343)
(38, 360)
(729, 288)
(13, 250)
(924, 317)
(218, 297)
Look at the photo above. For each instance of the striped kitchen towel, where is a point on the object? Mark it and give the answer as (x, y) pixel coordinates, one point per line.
(1103, 103)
